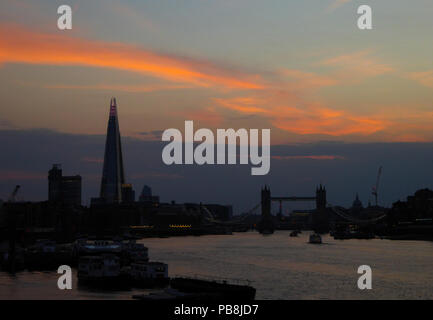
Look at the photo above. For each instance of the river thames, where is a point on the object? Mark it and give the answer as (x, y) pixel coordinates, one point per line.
(278, 266)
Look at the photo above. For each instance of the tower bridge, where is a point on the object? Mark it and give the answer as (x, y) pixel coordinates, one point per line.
(320, 218)
(267, 224)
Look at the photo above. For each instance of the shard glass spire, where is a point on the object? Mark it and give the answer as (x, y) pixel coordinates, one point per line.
(112, 175)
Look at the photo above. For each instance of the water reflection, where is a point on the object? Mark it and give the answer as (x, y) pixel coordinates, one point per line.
(281, 267)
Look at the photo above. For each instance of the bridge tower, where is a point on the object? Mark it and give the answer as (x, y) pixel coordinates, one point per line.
(320, 197)
(266, 201)
(320, 216)
(266, 224)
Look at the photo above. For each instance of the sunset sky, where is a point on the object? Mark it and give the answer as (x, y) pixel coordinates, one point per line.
(301, 68)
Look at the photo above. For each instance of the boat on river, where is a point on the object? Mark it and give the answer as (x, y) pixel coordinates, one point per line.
(143, 274)
(315, 238)
(294, 233)
(214, 288)
(101, 270)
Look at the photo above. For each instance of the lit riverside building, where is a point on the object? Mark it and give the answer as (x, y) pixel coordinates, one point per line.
(113, 177)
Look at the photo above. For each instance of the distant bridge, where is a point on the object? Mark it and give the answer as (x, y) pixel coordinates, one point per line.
(350, 218)
(320, 199)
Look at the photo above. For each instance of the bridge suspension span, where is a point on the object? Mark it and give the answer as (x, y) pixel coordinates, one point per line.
(350, 218)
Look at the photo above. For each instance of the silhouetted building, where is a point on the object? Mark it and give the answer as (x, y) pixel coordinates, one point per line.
(64, 190)
(357, 205)
(146, 195)
(146, 192)
(417, 207)
(113, 176)
(128, 194)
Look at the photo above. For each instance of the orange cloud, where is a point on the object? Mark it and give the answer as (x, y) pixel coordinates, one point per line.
(124, 88)
(241, 104)
(291, 104)
(425, 77)
(356, 66)
(290, 113)
(325, 121)
(18, 45)
(300, 80)
(406, 124)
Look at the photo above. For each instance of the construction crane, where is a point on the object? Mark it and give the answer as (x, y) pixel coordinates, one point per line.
(13, 195)
(375, 188)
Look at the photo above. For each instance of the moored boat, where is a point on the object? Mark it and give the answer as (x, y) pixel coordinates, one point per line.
(213, 288)
(101, 270)
(135, 252)
(147, 274)
(84, 247)
(315, 238)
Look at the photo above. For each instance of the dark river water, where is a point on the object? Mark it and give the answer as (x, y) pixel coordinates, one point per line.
(278, 266)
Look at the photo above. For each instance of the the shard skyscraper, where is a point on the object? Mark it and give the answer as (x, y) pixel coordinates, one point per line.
(113, 177)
